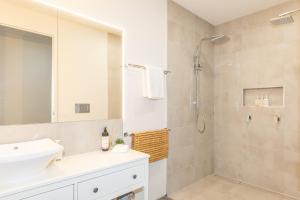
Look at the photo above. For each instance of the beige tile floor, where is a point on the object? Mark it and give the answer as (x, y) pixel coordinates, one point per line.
(217, 188)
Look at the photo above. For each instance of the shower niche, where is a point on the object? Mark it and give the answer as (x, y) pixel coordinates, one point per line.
(266, 97)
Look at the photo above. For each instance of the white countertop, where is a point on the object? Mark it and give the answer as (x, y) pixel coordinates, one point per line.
(73, 166)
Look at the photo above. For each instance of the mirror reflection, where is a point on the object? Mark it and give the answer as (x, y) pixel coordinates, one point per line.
(25, 77)
(46, 74)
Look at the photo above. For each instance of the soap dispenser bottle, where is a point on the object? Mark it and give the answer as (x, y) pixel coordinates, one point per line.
(105, 140)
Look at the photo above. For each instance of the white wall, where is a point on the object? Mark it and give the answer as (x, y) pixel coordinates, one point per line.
(145, 42)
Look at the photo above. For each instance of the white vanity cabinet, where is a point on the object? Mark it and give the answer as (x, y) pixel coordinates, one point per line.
(104, 185)
(90, 176)
(65, 193)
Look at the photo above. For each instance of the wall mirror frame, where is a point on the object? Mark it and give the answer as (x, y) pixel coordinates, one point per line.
(85, 57)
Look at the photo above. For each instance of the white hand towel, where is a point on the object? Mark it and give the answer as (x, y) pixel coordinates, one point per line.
(153, 82)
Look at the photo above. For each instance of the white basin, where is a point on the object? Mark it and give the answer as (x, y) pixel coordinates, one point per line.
(22, 161)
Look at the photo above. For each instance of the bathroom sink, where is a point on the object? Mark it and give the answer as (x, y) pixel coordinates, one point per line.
(22, 161)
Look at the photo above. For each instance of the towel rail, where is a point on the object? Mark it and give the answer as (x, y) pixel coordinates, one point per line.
(143, 67)
(154, 142)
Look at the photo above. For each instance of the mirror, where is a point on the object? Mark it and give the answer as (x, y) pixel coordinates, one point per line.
(89, 71)
(25, 77)
(57, 67)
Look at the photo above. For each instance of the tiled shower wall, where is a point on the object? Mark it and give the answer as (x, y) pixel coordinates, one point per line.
(191, 153)
(257, 55)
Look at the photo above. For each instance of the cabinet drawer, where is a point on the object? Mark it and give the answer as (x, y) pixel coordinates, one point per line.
(65, 193)
(101, 186)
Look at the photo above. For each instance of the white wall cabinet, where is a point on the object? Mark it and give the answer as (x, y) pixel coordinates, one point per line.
(90, 176)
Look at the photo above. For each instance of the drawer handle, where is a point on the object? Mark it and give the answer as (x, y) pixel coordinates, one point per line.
(134, 176)
(95, 190)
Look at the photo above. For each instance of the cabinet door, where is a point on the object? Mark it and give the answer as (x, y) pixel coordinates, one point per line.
(110, 183)
(65, 193)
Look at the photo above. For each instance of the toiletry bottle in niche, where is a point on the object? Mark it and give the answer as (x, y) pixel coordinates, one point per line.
(266, 101)
(260, 101)
(257, 101)
(105, 140)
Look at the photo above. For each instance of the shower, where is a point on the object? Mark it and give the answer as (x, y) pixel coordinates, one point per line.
(197, 56)
(200, 121)
(284, 18)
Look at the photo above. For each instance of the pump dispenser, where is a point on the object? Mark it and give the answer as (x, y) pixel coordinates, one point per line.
(105, 140)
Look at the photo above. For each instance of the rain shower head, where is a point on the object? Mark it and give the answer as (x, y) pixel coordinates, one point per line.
(213, 38)
(287, 19)
(284, 18)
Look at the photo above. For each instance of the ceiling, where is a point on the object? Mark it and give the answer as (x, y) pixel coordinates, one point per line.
(220, 11)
